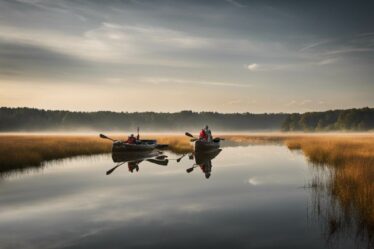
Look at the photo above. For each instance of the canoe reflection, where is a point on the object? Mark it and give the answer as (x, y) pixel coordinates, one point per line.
(203, 159)
(133, 159)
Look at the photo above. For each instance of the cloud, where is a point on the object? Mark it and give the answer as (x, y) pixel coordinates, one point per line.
(107, 43)
(236, 3)
(194, 82)
(315, 44)
(304, 103)
(327, 61)
(253, 67)
(291, 66)
(347, 50)
(254, 181)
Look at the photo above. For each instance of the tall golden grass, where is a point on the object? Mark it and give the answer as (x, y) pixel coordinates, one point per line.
(349, 160)
(21, 151)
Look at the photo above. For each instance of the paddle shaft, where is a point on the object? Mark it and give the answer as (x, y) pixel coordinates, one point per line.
(106, 137)
(111, 170)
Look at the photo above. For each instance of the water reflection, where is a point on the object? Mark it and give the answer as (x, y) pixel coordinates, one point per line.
(133, 159)
(254, 199)
(337, 212)
(203, 159)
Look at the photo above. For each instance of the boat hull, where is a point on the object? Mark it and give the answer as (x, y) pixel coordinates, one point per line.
(130, 156)
(124, 147)
(201, 145)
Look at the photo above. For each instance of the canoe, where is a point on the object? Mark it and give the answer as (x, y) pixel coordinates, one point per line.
(143, 145)
(131, 156)
(201, 145)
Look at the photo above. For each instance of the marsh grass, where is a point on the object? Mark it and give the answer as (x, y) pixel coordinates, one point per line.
(22, 151)
(350, 163)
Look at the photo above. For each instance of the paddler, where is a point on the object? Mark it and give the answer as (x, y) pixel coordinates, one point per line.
(131, 139)
(208, 133)
(203, 135)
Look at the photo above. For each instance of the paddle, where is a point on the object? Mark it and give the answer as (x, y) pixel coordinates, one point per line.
(111, 170)
(191, 169)
(189, 134)
(105, 137)
(179, 159)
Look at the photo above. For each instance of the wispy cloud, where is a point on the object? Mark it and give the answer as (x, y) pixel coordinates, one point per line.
(236, 3)
(347, 50)
(315, 44)
(304, 103)
(108, 43)
(254, 67)
(194, 82)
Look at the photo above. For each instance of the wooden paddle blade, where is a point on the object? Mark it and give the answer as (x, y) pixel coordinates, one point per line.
(103, 136)
(111, 170)
(179, 159)
(188, 134)
(189, 170)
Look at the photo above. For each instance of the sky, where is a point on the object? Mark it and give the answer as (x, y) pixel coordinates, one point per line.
(158, 55)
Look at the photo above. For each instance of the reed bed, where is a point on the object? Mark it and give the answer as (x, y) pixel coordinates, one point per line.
(350, 161)
(21, 151)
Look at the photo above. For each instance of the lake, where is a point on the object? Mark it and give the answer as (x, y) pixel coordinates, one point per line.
(258, 196)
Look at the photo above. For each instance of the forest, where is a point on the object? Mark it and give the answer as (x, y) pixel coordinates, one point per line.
(28, 119)
(334, 120)
(38, 120)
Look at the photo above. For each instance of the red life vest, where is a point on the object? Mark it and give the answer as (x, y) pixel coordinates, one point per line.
(203, 135)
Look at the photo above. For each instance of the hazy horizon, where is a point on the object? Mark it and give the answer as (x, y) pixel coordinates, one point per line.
(178, 111)
(167, 56)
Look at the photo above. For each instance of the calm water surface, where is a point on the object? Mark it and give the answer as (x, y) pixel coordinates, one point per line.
(255, 198)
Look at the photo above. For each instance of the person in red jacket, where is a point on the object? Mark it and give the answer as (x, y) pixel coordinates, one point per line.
(203, 135)
(131, 139)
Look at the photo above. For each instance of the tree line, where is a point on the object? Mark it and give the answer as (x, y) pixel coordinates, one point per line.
(30, 119)
(334, 120)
